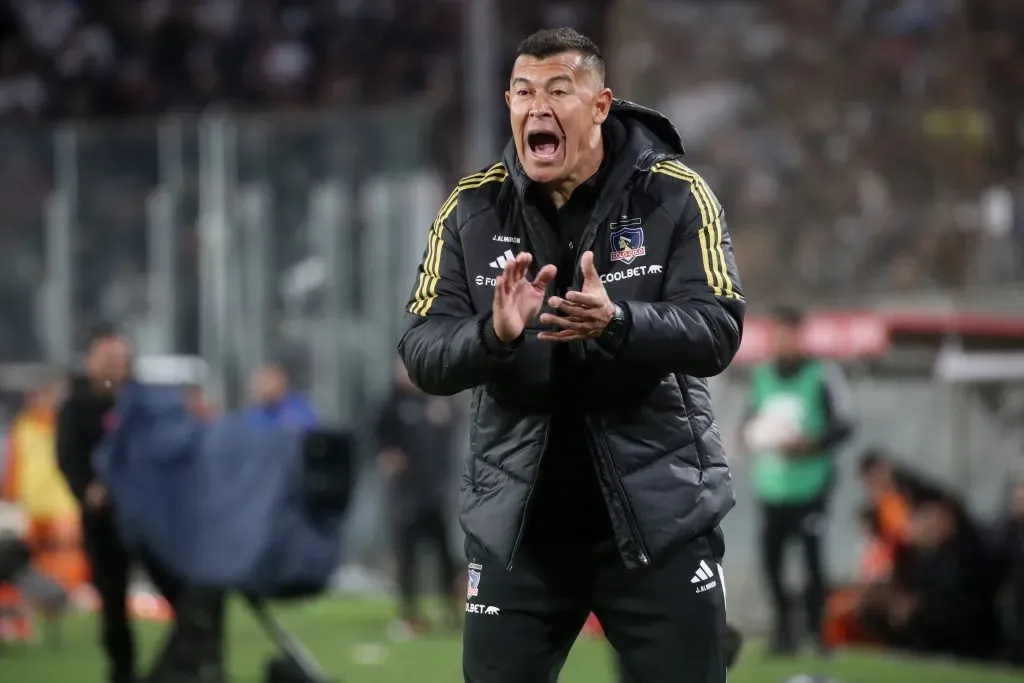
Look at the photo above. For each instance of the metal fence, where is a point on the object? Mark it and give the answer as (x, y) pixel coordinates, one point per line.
(244, 239)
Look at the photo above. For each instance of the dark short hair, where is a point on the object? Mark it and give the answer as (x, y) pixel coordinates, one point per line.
(872, 459)
(104, 329)
(789, 316)
(549, 42)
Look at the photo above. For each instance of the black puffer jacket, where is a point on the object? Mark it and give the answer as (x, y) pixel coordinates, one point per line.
(661, 246)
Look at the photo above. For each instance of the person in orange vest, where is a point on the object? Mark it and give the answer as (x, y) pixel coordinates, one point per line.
(15, 620)
(34, 482)
(844, 607)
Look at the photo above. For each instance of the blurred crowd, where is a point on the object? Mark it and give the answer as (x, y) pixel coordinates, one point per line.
(116, 65)
(934, 579)
(110, 58)
(867, 145)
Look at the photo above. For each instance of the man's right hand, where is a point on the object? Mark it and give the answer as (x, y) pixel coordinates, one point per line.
(517, 300)
(95, 496)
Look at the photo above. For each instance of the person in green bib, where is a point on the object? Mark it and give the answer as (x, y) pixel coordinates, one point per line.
(799, 414)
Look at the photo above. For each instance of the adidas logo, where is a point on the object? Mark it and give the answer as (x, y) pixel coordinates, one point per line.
(502, 260)
(704, 576)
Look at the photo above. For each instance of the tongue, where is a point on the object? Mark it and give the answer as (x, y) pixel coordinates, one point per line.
(545, 149)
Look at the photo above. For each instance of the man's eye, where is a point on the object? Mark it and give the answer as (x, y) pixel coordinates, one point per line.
(558, 92)
(522, 93)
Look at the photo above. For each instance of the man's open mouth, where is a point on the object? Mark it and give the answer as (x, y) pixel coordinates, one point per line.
(543, 144)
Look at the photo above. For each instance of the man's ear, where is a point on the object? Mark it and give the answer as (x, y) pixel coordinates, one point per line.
(602, 105)
(508, 99)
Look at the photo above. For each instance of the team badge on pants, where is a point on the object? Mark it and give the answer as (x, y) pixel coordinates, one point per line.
(473, 581)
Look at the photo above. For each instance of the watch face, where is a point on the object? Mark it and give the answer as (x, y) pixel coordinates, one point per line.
(614, 327)
(619, 319)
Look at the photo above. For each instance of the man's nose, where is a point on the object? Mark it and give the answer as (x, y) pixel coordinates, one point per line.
(540, 109)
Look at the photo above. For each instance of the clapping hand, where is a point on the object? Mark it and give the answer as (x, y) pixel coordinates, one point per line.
(517, 300)
(583, 314)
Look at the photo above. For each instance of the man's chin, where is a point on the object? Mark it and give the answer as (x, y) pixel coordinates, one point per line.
(544, 171)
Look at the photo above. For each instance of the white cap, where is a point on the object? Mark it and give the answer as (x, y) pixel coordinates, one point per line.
(182, 370)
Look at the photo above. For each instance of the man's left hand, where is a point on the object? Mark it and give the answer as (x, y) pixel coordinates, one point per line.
(581, 315)
(800, 448)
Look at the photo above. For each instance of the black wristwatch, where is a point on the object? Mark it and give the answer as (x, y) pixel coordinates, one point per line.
(615, 332)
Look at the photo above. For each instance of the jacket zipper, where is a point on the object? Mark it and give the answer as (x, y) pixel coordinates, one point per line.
(474, 411)
(586, 240)
(529, 497)
(634, 529)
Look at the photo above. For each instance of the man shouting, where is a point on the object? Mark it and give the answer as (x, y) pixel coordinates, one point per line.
(583, 287)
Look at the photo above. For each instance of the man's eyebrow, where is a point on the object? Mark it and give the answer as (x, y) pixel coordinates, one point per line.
(550, 81)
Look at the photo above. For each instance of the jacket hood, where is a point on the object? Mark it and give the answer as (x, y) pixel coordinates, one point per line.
(648, 123)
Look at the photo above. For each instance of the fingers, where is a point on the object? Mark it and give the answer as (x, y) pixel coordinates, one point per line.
(511, 274)
(578, 316)
(515, 268)
(576, 323)
(564, 322)
(567, 336)
(586, 299)
(520, 265)
(588, 268)
(545, 277)
(572, 312)
(500, 287)
(502, 291)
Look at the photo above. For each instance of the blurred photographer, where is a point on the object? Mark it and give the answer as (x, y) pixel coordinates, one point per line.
(83, 420)
(894, 489)
(276, 404)
(1010, 557)
(941, 596)
(414, 436)
(226, 504)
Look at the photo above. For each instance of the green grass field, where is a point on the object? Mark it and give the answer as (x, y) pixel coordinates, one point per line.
(348, 638)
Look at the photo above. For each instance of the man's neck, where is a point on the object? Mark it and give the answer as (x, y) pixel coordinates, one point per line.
(589, 164)
(790, 364)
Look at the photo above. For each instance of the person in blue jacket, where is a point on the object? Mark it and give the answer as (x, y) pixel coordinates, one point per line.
(276, 404)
